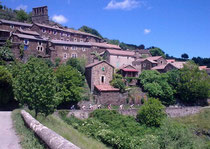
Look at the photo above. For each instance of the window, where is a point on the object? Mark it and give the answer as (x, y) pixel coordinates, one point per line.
(39, 43)
(75, 39)
(49, 31)
(68, 35)
(12, 26)
(26, 42)
(54, 32)
(21, 27)
(81, 40)
(144, 65)
(65, 47)
(61, 38)
(25, 47)
(61, 33)
(103, 69)
(74, 48)
(161, 62)
(102, 79)
(65, 56)
(40, 48)
(74, 55)
(83, 49)
(43, 30)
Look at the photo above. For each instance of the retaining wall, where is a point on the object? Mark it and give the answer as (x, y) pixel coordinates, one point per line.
(50, 138)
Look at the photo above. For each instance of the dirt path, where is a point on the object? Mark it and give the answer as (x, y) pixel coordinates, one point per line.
(8, 137)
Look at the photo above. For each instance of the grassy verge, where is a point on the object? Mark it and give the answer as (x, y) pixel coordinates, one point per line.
(59, 126)
(27, 137)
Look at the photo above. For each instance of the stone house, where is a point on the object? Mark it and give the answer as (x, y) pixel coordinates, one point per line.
(13, 25)
(99, 73)
(4, 35)
(33, 46)
(128, 71)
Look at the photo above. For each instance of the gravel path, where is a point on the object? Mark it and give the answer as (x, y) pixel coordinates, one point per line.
(8, 137)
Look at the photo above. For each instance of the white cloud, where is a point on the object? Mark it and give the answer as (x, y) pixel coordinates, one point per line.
(21, 6)
(59, 19)
(147, 31)
(123, 5)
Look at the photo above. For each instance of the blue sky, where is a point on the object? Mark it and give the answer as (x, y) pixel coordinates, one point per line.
(176, 26)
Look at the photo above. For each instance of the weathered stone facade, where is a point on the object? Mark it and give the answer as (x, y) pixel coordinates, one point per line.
(99, 73)
(40, 15)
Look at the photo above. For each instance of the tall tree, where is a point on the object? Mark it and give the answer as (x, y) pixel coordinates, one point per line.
(90, 30)
(22, 16)
(157, 52)
(185, 56)
(35, 86)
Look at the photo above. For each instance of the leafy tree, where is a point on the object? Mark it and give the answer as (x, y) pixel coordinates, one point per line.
(194, 84)
(90, 30)
(70, 83)
(151, 113)
(21, 48)
(22, 16)
(57, 61)
(118, 83)
(185, 56)
(77, 63)
(157, 52)
(5, 51)
(6, 92)
(35, 86)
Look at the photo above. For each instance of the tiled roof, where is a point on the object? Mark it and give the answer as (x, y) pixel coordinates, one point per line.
(202, 67)
(28, 37)
(153, 58)
(130, 70)
(178, 65)
(160, 67)
(143, 51)
(96, 63)
(65, 30)
(170, 60)
(15, 23)
(70, 43)
(121, 52)
(105, 88)
(105, 45)
(2, 30)
(152, 61)
(28, 32)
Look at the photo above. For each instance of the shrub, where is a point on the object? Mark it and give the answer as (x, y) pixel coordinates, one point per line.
(6, 90)
(35, 86)
(78, 64)
(118, 83)
(151, 113)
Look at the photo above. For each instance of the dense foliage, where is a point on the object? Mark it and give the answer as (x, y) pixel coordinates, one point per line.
(5, 51)
(35, 86)
(151, 113)
(6, 91)
(156, 52)
(194, 84)
(202, 61)
(70, 83)
(78, 64)
(125, 132)
(90, 30)
(157, 86)
(118, 82)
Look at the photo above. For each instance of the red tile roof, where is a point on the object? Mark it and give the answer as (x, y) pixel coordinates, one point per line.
(105, 45)
(130, 70)
(15, 23)
(160, 67)
(106, 88)
(121, 52)
(170, 60)
(202, 67)
(23, 36)
(153, 58)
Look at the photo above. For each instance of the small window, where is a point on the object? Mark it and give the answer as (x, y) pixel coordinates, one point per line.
(12, 26)
(161, 62)
(26, 41)
(74, 48)
(67, 39)
(74, 55)
(65, 47)
(102, 79)
(25, 47)
(39, 43)
(83, 49)
(144, 65)
(65, 56)
(61, 38)
(49, 31)
(54, 32)
(43, 30)
(81, 40)
(68, 35)
(75, 39)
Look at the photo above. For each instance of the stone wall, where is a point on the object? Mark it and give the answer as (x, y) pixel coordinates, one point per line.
(50, 138)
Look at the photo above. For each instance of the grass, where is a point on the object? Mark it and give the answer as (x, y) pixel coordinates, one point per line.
(59, 126)
(27, 137)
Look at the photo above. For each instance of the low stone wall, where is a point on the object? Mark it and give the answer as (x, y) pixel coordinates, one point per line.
(50, 138)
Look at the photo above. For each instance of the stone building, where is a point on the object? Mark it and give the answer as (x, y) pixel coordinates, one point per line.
(99, 73)
(40, 15)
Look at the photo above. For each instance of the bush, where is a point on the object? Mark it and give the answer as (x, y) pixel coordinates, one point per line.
(118, 83)
(78, 64)
(6, 90)
(151, 113)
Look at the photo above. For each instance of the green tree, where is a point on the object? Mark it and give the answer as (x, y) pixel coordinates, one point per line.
(22, 16)
(194, 84)
(5, 51)
(156, 52)
(6, 92)
(35, 86)
(77, 63)
(70, 83)
(90, 30)
(151, 113)
(185, 56)
(118, 83)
